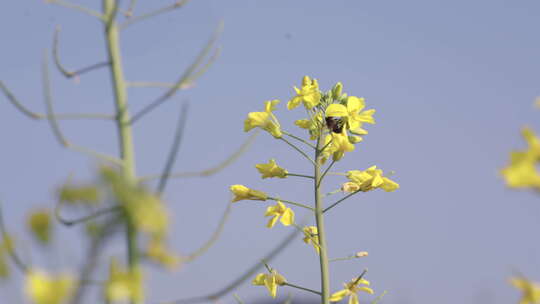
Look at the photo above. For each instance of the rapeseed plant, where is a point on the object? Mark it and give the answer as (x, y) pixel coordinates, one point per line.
(335, 123)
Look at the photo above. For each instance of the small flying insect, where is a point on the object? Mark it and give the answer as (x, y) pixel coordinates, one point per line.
(335, 124)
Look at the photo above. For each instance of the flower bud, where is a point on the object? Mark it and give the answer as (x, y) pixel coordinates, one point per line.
(337, 90)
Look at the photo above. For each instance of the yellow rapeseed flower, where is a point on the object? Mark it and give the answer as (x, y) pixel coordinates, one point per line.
(271, 170)
(242, 192)
(277, 211)
(351, 289)
(370, 179)
(39, 223)
(356, 117)
(123, 285)
(338, 144)
(311, 236)
(270, 281)
(309, 94)
(530, 290)
(264, 120)
(312, 125)
(42, 288)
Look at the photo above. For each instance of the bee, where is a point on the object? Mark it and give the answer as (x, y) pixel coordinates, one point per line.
(335, 124)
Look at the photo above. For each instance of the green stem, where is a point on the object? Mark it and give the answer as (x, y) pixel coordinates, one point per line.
(290, 202)
(323, 255)
(122, 119)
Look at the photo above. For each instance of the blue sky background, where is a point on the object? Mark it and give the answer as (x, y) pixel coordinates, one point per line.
(452, 82)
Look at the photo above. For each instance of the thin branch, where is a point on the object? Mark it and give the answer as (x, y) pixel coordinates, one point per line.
(212, 170)
(300, 175)
(54, 124)
(215, 236)
(299, 139)
(11, 251)
(214, 296)
(64, 71)
(339, 201)
(33, 115)
(77, 7)
(290, 202)
(302, 288)
(148, 84)
(174, 149)
(299, 150)
(377, 299)
(185, 78)
(162, 10)
(326, 171)
(84, 218)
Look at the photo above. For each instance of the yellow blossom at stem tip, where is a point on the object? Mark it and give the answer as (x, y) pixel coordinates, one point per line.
(351, 289)
(522, 171)
(242, 192)
(309, 94)
(279, 211)
(270, 281)
(271, 170)
(338, 144)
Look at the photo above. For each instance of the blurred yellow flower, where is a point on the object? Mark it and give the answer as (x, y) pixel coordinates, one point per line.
(309, 94)
(123, 285)
(522, 171)
(311, 236)
(145, 210)
(158, 252)
(42, 288)
(530, 290)
(277, 211)
(271, 281)
(271, 170)
(79, 194)
(351, 289)
(39, 223)
(370, 179)
(264, 120)
(242, 192)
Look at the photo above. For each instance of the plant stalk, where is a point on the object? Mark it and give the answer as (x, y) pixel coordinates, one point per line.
(323, 255)
(122, 114)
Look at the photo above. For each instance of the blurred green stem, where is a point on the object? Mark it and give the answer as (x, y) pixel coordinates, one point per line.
(122, 114)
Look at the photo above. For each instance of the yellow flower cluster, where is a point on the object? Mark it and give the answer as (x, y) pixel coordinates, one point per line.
(522, 171)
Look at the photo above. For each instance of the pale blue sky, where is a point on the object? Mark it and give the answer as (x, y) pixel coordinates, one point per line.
(452, 82)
